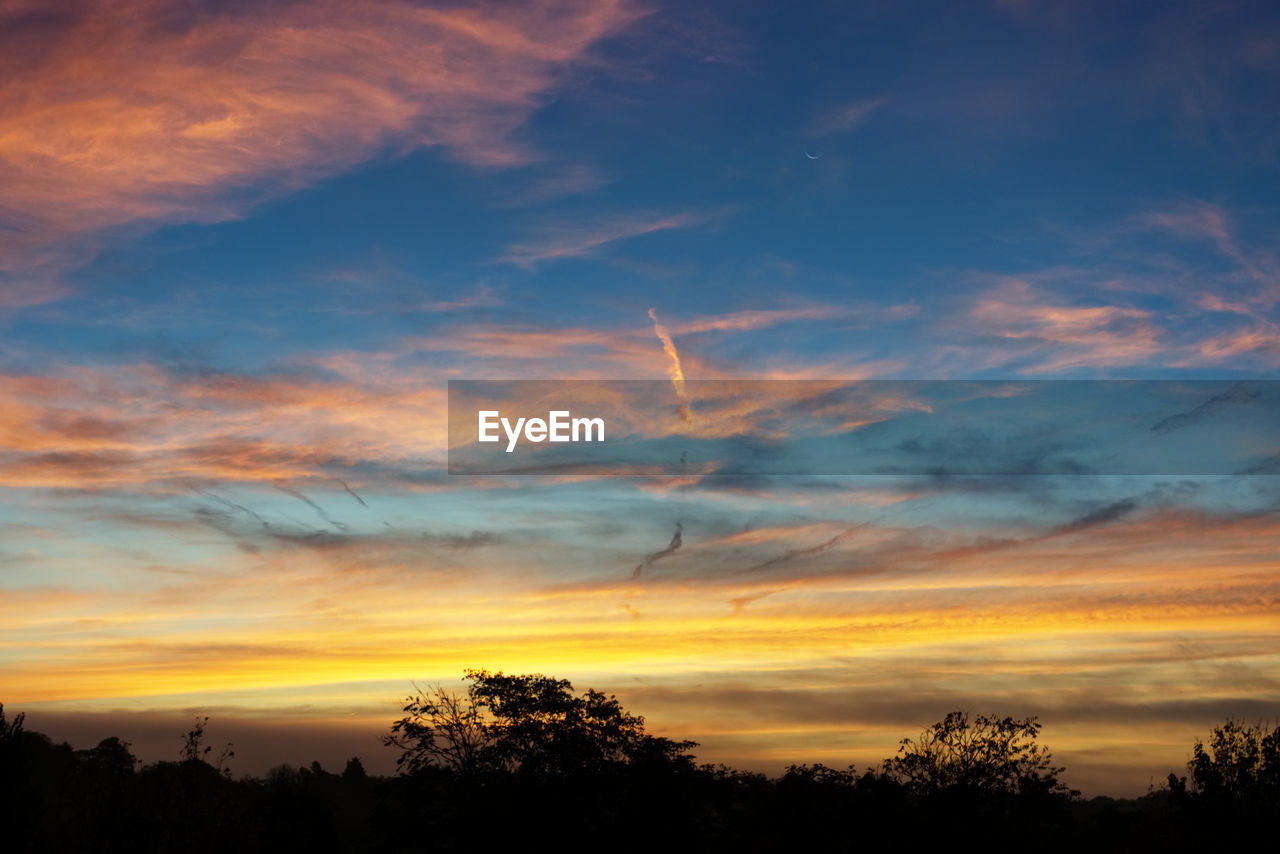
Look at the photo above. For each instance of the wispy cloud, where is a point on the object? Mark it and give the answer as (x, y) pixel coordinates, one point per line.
(572, 240)
(568, 180)
(1199, 220)
(846, 117)
(1062, 336)
(740, 321)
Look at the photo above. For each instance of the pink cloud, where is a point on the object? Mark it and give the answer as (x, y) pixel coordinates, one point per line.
(1068, 336)
(121, 113)
(138, 425)
(1255, 339)
(1204, 221)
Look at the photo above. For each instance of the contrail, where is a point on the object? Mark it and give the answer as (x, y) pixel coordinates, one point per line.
(351, 492)
(207, 494)
(675, 372)
(314, 506)
(811, 550)
(676, 541)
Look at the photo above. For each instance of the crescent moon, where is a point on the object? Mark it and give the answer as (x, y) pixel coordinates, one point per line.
(811, 156)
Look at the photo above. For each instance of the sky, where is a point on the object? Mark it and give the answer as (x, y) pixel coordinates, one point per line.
(244, 247)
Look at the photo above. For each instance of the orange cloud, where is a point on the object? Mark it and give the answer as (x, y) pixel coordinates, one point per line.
(143, 111)
(136, 425)
(1261, 339)
(1069, 336)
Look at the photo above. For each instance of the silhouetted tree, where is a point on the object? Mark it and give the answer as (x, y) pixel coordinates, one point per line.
(819, 775)
(539, 726)
(441, 729)
(111, 758)
(531, 724)
(1240, 763)
(354, 772)
(986, 755)
(194, 749)
(10, 730)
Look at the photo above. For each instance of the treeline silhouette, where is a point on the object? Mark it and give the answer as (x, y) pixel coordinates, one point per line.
(521, 761)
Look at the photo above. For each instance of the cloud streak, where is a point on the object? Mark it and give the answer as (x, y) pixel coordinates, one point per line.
(846, 117)
(575, 240)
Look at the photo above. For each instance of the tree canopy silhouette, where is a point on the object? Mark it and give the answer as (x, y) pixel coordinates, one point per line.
(530, 724)
(513, 752)
(988, 755)
(1239, 764)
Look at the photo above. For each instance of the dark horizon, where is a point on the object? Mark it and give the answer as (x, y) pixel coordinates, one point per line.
(478, 768)
(260, 746)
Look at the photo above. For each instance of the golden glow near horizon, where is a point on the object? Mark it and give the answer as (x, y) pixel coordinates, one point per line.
(760, 642)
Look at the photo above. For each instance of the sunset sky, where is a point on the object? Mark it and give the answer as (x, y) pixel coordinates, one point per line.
(245, 246)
